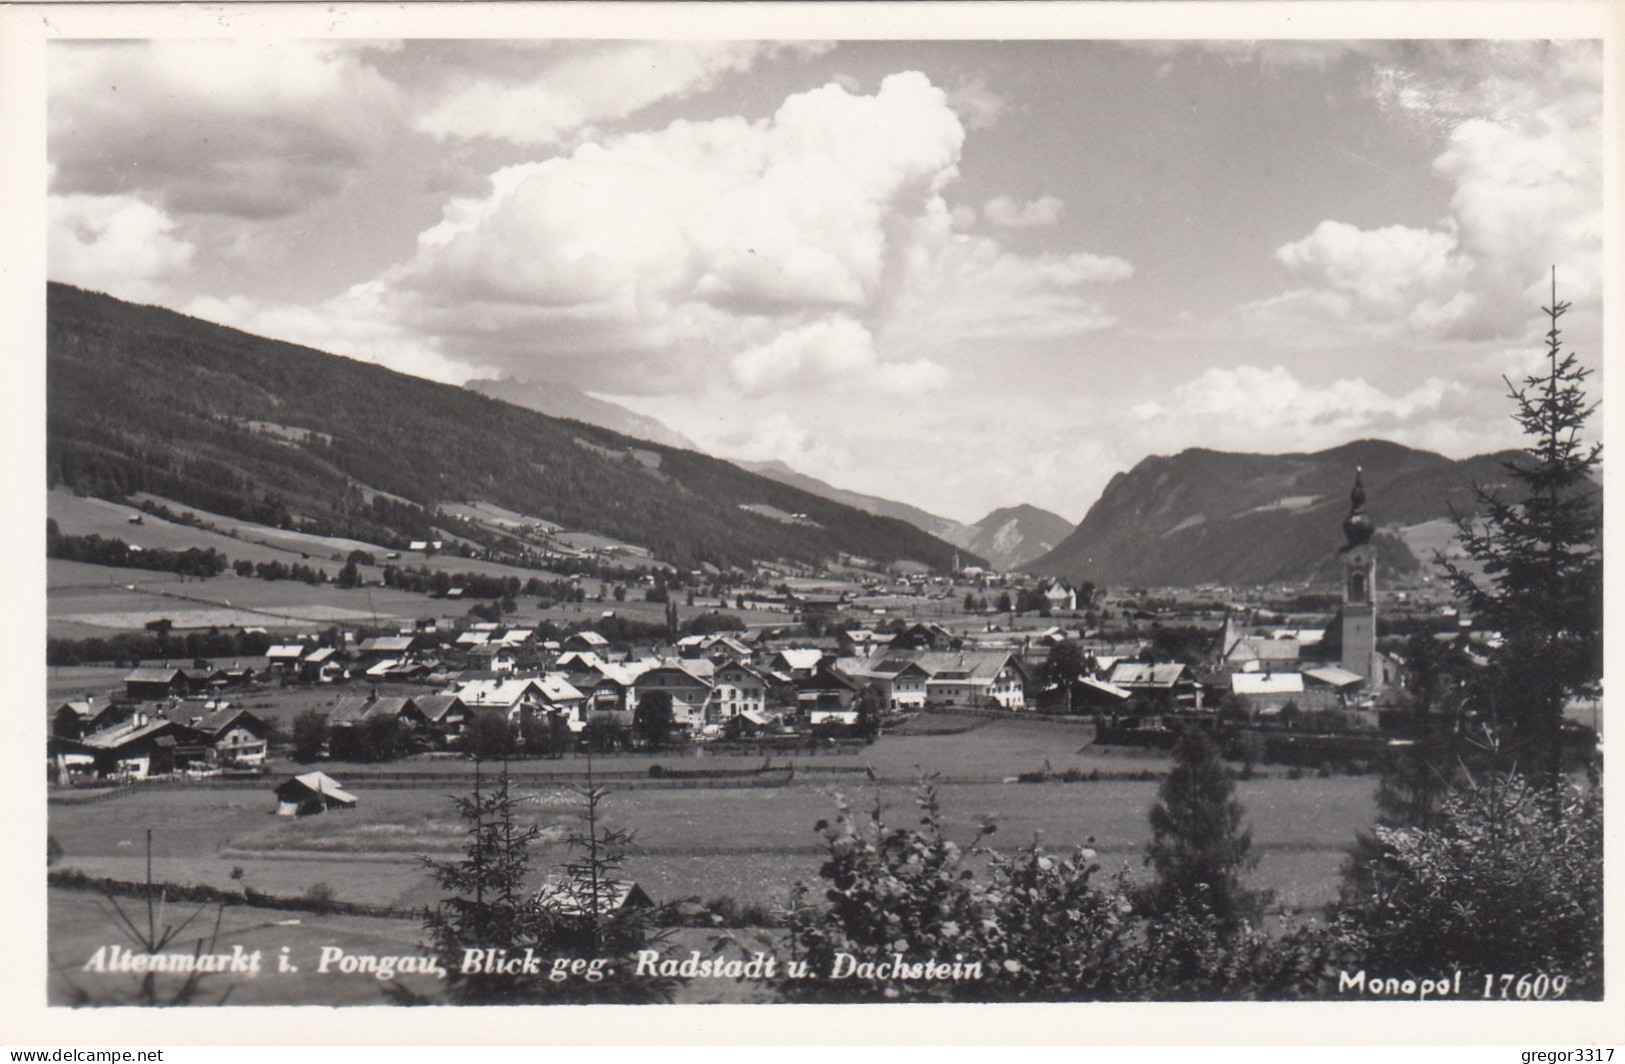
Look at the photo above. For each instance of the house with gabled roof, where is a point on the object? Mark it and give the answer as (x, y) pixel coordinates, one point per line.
(284, 657)
(1060, 597)
(827, 696)
(901, 681)
(79, 717)
(974, 679)
(609, 687)
(155, 684)
(445, 717)
(584, 640)
(690, 691)
(380, 647)
(322, 665)
(737, 688)
(1265, 693)
(518, 696)
(1331, 687)
(798, 663)
(1166, 687)
(238, 736)
(137, 748)
(1278, 655)
(925, 635)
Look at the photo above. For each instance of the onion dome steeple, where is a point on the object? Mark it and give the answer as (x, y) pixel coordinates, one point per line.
(1357, 527)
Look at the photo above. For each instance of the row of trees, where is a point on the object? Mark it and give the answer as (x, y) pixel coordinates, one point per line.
(112, 551)
(144, 646)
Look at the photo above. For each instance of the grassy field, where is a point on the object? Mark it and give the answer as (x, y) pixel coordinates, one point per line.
(752, 843)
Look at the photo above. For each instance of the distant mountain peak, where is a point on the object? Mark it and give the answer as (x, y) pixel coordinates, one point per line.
(560, 399)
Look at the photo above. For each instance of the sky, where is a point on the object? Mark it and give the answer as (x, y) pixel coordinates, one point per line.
(960, 274)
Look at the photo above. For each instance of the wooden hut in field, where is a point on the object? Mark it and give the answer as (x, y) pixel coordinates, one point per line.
(310, 793)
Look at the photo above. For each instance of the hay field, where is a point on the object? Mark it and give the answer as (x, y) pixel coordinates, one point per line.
(752, 843)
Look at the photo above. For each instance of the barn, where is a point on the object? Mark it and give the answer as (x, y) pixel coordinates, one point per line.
(310, 793)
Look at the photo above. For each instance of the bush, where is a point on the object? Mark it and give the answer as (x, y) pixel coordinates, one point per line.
(1509, 879)
(320, 897)
(1042, 927)
(309, 736)
(889, 891)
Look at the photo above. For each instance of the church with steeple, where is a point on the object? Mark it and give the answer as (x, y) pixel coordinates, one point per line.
(1359, 634)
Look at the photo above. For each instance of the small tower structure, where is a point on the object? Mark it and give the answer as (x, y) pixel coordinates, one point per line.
(1360, 591)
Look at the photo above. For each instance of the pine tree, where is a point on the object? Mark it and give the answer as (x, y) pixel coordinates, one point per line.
(487, 905)
(1199, 848)
(590, 912)
(1541, 557)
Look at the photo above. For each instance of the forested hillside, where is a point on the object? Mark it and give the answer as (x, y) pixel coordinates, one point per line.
(1204, 516)
(144, 399)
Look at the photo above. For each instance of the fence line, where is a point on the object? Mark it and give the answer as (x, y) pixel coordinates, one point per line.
(794, 776)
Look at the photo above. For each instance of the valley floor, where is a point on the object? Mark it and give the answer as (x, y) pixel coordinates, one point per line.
(749, 843)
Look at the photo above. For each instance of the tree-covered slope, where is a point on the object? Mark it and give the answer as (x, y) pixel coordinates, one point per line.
(144, 399)
(1204, 516)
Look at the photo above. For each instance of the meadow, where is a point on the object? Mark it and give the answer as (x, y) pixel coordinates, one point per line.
(86, 600)
(751, 843)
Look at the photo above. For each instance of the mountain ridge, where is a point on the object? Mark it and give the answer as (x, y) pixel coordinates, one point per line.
(1208, 516)
(1006, 538)
(142, 398)
(562, 400)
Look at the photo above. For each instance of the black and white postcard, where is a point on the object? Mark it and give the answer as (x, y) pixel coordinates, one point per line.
(731, 507)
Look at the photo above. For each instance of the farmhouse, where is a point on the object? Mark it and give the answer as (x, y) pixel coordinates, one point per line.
(970, 679)
(585, 641)
(738, 689)
(827, 696)
(902, 682)
(155, 685)
(1161, 688)
(1085, 694)
(446, 717)
(514, 697)
(283, 657)
(138, 748)
(239, 737)
(924, 636)
(322, 665)
(798, 663)
(1267, 693)
(381, 647)
(573, 898)
(690, 692)
(78, 718)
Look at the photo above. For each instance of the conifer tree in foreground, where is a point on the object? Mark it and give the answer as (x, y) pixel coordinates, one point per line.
(487, 905)
(1199, 849)
(1541, 556)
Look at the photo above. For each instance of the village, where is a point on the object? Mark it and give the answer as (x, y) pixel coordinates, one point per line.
(1309, 685)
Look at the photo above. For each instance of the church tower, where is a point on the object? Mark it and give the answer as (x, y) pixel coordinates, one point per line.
(1360, 591)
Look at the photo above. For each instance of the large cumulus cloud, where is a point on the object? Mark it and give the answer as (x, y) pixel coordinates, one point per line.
(1522, 152)
(812, 248)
